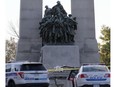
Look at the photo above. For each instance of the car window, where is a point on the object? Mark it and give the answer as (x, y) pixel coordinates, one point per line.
(95, 69)
(17, 68)
(32, 67)
(8, 68)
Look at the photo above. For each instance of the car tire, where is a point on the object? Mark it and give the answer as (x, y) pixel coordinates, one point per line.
(11, 84)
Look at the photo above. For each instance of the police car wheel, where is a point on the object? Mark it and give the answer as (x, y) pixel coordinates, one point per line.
(11, 84)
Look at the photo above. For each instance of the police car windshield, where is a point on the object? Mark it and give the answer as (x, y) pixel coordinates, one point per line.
(95, 69)
(32, 67)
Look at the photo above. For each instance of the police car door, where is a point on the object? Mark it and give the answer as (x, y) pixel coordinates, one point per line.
(8, 70)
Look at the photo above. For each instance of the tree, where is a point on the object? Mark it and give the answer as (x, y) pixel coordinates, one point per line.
(10, 49)
(105, 45)
(11, 44)
(13, 30)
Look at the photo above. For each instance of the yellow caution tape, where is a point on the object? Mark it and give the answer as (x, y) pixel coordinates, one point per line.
(61, 69)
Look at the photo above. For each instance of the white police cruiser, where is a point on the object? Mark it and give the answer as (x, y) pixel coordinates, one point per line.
(93, 76)
(20, 74)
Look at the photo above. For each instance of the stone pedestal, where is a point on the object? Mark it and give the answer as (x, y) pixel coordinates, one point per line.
(60, 55)
(29, 44)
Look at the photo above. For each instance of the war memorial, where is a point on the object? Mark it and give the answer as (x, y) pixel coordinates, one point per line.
(58, 38)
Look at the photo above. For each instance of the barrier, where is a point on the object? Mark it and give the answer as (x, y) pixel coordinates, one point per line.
(61, 69)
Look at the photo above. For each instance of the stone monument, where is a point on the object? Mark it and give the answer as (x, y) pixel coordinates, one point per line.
(30, 43)
(57, 30)
(57, 51)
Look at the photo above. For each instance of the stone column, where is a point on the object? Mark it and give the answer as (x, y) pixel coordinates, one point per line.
(85, 35)
(29, 44)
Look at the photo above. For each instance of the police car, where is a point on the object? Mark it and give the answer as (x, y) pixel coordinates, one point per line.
(93, 75)
(26, 74)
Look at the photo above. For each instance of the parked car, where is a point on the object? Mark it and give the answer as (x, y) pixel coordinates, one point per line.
(26, 74)
(93, 75)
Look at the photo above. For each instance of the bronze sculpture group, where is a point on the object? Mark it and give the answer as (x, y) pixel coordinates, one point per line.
(56, 27)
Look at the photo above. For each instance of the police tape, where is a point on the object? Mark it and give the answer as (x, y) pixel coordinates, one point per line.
(62, 69)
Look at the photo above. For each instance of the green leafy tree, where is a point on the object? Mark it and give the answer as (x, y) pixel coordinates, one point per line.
(104, 47)
(10, 49)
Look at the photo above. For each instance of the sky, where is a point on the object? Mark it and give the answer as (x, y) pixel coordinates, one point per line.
(101, 7)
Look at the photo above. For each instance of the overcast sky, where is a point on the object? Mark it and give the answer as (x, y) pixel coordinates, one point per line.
(102, 12)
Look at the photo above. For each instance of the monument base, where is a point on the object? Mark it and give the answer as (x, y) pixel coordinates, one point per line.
(60, 55)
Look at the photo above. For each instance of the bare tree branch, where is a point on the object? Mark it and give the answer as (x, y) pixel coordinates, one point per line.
(13, 30)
